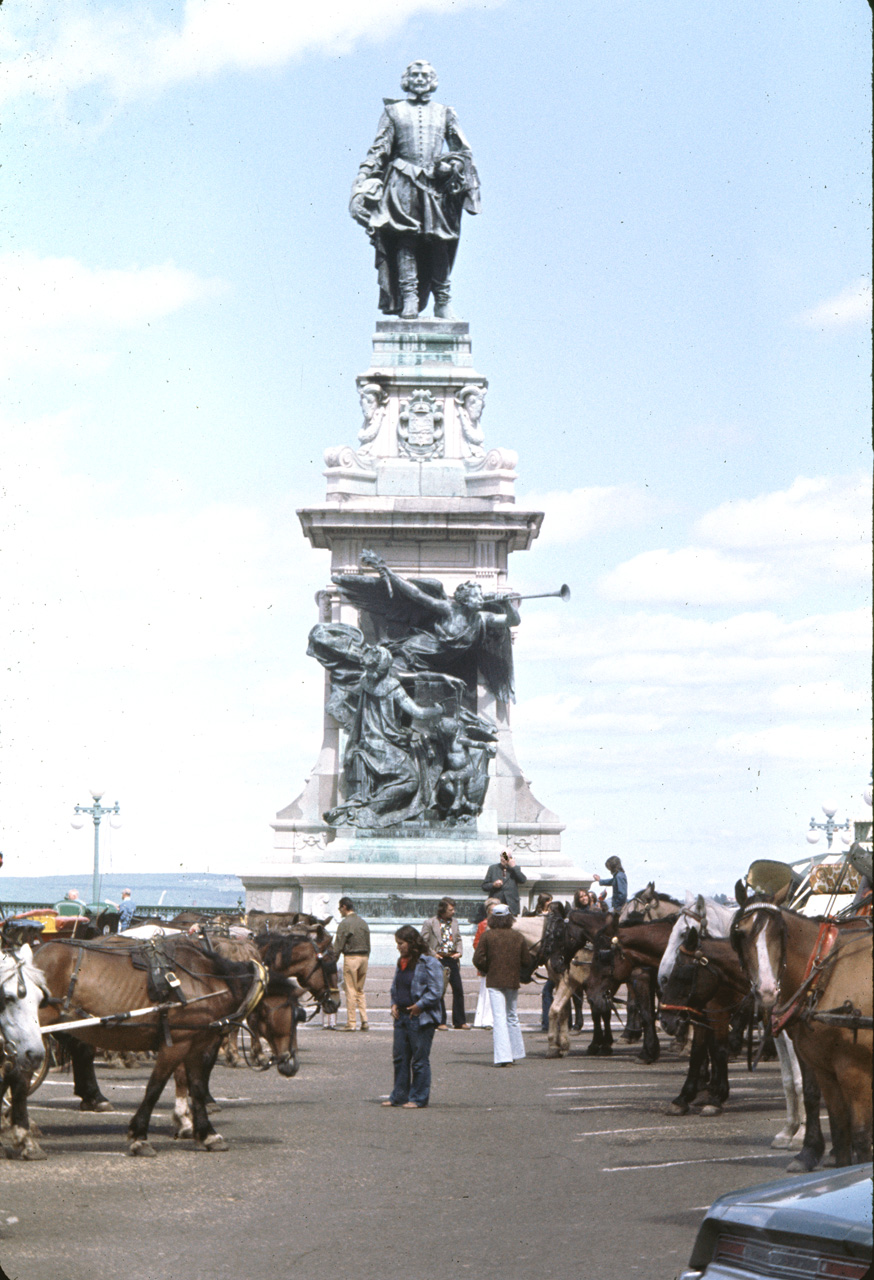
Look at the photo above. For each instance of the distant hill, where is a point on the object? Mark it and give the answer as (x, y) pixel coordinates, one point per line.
(188, 889)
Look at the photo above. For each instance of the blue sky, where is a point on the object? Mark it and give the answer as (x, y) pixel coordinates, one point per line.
(669, 289)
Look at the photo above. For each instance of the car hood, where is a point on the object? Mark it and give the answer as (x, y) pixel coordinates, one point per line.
(831, 1206)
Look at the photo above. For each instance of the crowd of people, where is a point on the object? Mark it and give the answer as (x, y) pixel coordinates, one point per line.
(429, 968)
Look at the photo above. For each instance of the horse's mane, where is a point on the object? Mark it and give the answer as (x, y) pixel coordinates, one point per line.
(277, 948)
(638, 917)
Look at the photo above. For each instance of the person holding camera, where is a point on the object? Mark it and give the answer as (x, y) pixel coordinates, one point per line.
(502, 882)
(443, 937)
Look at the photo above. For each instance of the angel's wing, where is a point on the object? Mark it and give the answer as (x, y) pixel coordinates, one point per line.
(496, 662)
(372, 594)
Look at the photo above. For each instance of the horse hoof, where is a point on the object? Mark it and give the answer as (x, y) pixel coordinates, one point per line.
(677, 1109)
(607, 1051)
(593, 1051)
(102, 1104)
(711, 1109)
(141, 1147)
(34, 1153)
(798, 1165)
(215, 1142)
(183, 1134)
(552, 1052)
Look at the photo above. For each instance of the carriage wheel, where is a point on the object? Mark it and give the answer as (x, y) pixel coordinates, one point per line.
(38, 1076)
(255, 1061)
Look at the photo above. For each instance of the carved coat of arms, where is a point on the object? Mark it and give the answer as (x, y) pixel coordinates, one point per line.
(420, 427)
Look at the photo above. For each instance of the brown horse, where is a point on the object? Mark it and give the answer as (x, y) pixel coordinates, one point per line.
(197, 995)
(813, 978)
(631, 953)
(304, 956)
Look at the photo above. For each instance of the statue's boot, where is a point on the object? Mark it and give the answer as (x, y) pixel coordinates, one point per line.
(408, 282)
(442, 308)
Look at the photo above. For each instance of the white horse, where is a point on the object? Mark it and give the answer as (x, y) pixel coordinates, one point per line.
(713, 920)
(21, 990)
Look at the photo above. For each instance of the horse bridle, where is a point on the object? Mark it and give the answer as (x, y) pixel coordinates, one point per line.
(698, 961)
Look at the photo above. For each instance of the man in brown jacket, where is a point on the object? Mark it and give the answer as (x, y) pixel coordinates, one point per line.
(501, 955)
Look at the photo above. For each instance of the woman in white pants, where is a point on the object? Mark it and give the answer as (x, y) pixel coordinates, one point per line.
(501, 955)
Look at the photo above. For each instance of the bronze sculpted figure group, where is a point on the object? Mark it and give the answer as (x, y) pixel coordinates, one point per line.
(415, 750)
(409, 196)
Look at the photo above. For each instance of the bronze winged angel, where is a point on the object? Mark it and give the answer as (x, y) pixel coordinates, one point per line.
(426, 630)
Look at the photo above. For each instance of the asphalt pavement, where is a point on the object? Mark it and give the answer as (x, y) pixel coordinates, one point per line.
(551, 1168)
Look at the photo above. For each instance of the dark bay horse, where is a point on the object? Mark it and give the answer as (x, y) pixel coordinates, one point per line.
(708, 988)
(631, 953)
(104, 979)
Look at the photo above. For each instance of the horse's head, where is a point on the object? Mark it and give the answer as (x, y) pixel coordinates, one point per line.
(296, 955)
(602, 982)
(554, 943)
(758, 935)
(688, 986)
(275, 1018)
(22, 988)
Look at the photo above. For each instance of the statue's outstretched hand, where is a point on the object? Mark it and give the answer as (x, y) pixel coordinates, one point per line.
(373, 560)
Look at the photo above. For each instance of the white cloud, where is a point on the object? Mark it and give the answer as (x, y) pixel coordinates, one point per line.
(692, 575)
(816, 532)
(802, 742)
(50, 53)
(572, 514)
(58, 311)
(851, 306)
(821, 511)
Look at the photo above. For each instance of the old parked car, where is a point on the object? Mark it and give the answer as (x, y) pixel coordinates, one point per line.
(817, 1226)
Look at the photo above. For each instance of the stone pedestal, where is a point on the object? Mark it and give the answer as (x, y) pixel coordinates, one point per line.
(424, 491)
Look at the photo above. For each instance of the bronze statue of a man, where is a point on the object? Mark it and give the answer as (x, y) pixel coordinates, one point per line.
(410, 193)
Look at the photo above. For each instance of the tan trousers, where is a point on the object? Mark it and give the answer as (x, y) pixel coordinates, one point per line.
(354, 975)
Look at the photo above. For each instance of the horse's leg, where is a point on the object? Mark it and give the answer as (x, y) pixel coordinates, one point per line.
(717, 1094)
(197, 1067)
(838, 1117)
(645, 998)
(210, 1061)
(183, 1121)
(792, 1133)
(85, 1084)
(231, 1048)
(607, 1043)
(680, 1104)
(558, 1038)
(856, 1084)
(601, 1043)
(169, 1057)
(633, 1019)
(24, 1144)
(814, 1143)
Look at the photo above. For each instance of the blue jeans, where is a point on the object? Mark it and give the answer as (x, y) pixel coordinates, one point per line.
(411, 1057)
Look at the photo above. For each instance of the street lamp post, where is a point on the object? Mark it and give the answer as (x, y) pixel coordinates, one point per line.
(96, 811)
(829, 826)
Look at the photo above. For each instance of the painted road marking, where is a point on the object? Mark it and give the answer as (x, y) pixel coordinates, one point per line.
(670, 1164)
(649, 1128)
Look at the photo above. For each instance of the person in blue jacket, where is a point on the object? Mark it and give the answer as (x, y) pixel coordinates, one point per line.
(618, 880)
(416, 993)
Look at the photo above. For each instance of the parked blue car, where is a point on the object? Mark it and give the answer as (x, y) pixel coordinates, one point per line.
(817, 1227)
